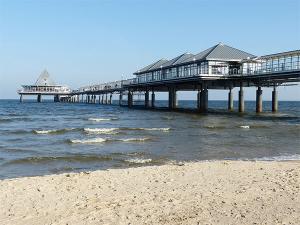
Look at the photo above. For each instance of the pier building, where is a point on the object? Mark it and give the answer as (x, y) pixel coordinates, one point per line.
(219, 67)
(44, 86)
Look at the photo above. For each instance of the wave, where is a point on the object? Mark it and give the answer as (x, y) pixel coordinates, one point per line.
(114, 130)
(5, 120)
(68, 158)
(102, 140)
(101, 130)
(134, 139)
(245, 126)
(102, 119)
(138, 160)
(147, 129)
(58, 131)
(285, 157)
(88, 141)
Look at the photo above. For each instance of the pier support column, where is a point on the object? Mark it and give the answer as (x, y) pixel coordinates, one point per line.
(106, 99)
(153, 99)
(110, 99)
(21, 98)
(130, 99)
(204, 99)
(102, 99)
(99, 99)
(120, 99)
(259, 100)
(39, 98)
(146, 99)
(241, 99)
(172, 98)
(230, 100)
(199, 100)
(89, 99)
(274, 100)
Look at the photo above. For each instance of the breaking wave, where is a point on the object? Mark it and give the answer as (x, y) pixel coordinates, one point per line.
(88, 141)
(115, 130)
(286, 157)
(102, 140)
(58, 131)
(138, 160)
(245, 126)
(134, 139)
(101, 130)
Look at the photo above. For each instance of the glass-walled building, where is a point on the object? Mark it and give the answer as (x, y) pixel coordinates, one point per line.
(218, 60)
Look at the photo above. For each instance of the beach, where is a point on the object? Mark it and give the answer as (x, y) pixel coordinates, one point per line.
(207, 192)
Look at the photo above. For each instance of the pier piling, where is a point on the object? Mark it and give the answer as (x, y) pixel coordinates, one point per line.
(259, 100)
(130, 99)
(241, 99)
(153, 99)
(199, 100)
(274, 100)
(146, 99)
(39, 98)
(230, 100)
(120, 99)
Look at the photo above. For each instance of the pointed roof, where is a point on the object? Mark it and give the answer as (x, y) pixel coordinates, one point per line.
(221, 52)
(44, 79)
(177, 60)
(152, 66)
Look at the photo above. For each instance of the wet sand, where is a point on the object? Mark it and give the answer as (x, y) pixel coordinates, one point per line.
(221, 192)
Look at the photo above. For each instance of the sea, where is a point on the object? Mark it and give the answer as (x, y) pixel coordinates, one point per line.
(50, 138)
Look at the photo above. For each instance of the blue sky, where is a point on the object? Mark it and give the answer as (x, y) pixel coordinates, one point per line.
(87, 41)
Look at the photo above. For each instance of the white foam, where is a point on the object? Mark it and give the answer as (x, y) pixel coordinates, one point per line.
(88, 141)
(101, 130)
(138, 160)
(44, 131)
(157, 129)
(101, 119)
(134, 139)
(245, 126)
(52, 131)
(285, 157)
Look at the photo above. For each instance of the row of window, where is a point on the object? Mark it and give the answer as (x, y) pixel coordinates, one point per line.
(182, 71)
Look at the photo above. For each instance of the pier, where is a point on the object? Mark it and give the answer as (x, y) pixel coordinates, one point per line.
(220, 67)
(44, 86)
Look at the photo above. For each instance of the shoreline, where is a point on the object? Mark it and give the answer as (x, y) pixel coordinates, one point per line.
(204, 192)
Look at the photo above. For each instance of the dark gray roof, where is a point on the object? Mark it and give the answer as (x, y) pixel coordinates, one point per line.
(152, 66)
(177, 60)
(220, 52)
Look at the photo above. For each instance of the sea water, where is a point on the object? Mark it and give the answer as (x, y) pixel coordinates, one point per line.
(45, 138)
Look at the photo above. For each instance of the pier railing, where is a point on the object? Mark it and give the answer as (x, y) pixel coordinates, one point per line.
(44, 90)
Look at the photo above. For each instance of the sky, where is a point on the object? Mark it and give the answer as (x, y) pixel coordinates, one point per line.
(82, 42)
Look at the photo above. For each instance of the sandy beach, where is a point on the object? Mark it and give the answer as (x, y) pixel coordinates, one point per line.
(222, 192)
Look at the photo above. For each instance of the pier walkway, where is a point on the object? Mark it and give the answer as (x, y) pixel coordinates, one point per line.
(219, 67)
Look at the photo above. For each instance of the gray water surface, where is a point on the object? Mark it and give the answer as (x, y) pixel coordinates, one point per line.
(46, 138)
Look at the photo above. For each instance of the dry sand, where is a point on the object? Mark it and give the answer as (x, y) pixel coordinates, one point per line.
(220, 192)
